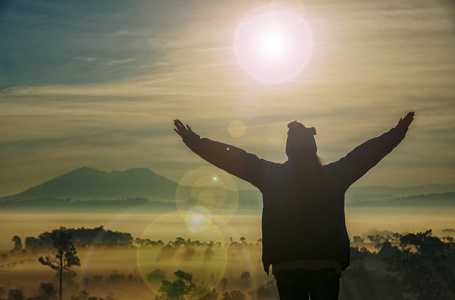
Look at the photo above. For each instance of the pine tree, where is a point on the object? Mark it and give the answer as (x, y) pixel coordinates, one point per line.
(65, 257)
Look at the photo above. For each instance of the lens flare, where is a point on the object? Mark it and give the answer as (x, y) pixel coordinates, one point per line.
(210, 191)
(198, 219)
(273, 44)
(96, 255)
(202, 254)
(236, 128)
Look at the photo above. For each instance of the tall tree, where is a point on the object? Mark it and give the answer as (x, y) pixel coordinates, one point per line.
(65, 256)
(17, 242)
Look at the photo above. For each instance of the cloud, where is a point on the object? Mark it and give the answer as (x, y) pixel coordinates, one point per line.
(99, 86)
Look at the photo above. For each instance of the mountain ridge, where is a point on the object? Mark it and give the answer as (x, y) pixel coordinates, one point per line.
(427, 200)
(87, 183)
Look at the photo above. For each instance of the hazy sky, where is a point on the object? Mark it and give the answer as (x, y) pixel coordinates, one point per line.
(98, 83)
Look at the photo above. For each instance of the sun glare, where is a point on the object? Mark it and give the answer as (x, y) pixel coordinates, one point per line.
(273, 44)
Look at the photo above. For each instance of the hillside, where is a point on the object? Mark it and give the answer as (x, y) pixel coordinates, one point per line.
(127, 188)
(429, 200)
(383, 193)
(85, 184)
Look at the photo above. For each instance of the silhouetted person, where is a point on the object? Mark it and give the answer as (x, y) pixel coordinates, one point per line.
(303, 224)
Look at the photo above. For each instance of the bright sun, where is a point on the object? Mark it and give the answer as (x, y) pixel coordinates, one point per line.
(273, 44)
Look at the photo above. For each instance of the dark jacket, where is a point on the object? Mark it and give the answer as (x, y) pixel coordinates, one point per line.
(303, 214)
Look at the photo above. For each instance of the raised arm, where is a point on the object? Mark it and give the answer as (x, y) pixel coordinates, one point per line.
(233, 160)
(357, 162)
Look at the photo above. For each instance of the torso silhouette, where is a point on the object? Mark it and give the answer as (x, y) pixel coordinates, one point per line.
(303, 215)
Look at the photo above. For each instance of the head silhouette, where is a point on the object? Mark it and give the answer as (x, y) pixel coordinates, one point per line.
(300, 142)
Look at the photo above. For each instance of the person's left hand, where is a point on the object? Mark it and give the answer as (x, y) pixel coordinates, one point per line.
(186, 133)
(407, 120)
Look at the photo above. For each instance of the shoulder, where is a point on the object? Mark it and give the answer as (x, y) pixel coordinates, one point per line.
(273, 169)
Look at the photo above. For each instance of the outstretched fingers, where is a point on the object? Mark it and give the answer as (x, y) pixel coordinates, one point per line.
(178, 124)
(409, 118)
(182, 130)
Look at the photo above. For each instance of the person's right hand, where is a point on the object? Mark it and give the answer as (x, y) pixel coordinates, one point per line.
(407, 120)
(186, 133)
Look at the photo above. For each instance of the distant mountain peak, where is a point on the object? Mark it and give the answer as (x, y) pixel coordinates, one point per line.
(87, 183)
(137, 170)
(84, 170)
